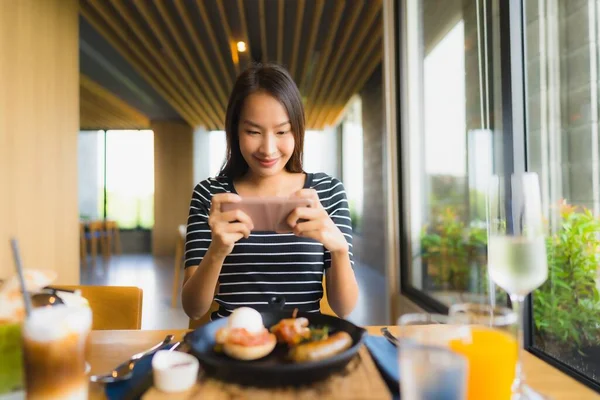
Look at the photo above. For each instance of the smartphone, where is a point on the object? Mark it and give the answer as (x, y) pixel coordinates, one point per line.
(268, 213)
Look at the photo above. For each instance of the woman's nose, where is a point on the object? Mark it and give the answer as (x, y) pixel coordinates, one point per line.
(268, 144)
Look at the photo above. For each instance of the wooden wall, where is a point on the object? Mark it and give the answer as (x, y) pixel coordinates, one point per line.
(173, 182)
(39, 122)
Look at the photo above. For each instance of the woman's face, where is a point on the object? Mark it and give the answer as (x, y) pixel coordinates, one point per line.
(265, 136)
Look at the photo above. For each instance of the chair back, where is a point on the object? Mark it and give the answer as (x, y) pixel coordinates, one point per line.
(325, 307)
(96, 226)
(113, 307)
(110, 226)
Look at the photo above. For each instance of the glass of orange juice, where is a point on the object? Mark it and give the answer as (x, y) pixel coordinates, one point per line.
(484, 335)
(491, 348)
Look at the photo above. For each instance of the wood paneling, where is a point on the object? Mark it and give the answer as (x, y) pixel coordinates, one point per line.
(193, 65)
(173, 182)
(100, 109)
(39, 123)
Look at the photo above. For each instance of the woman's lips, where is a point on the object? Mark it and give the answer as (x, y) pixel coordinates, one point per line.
(267, 163)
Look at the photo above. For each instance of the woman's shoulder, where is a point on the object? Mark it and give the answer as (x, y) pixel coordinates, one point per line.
(207, 188)
(330, 190)
(322, 182)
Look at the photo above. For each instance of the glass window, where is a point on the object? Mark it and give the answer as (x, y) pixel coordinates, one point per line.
(353, 161)
(118, 165)
(561, 60)
(130, 178)
(91, 174)
(218, 151)
(452, 145)
(319, 148)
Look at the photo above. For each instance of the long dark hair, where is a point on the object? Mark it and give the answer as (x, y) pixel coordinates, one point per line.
(277, 82)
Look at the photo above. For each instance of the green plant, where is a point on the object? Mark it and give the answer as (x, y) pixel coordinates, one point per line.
(567, 305)
(355, 218)
(450, 247)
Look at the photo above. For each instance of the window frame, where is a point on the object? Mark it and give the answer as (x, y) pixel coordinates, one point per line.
(514, 127)
(104, 215)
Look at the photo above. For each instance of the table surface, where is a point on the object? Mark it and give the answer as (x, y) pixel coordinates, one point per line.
(109, 348)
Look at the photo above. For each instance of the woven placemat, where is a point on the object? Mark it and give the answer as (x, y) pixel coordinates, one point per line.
(359, 380)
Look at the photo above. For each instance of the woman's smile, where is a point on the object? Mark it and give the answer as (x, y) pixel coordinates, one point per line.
(267, 163)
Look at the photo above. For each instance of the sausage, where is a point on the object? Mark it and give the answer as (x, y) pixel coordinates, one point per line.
(321, 349)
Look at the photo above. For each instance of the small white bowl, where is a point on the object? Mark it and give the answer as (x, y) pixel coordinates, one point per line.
(174, 371)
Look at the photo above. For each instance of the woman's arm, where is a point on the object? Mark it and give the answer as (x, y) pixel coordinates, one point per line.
(210, 237)
(330, 224)
(342, 289)
(199, 285)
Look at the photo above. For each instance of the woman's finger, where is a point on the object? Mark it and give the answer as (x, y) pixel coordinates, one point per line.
(222, 198)
(238, 227)
(310, 194)
(304, 213)
(301, 228)
(237, 215)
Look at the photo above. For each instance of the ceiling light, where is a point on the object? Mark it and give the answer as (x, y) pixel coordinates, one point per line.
(241, 46)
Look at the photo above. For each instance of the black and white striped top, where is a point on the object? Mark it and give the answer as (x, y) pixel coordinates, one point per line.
(268, 263)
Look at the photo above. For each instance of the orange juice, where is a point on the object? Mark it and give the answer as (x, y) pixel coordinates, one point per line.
(492, 356)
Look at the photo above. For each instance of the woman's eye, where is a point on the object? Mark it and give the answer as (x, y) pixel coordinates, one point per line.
(282, 132)
(252, 132)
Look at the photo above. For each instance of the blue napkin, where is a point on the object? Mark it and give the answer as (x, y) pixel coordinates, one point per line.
(142, 372)
(385, 356)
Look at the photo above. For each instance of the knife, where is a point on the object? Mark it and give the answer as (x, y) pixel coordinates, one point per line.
(390, 336)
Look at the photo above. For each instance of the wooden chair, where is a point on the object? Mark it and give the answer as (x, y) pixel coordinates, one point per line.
(82, 244)
(325, 307)
(113, 307)
(111, 234)
(95, 234)
(178, 263)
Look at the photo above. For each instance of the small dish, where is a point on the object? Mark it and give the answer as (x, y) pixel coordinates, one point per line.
(174, 371)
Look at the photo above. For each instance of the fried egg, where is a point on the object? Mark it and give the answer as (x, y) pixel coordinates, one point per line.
(246, 318)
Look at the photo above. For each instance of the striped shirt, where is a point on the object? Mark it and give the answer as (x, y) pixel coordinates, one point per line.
(268, 263)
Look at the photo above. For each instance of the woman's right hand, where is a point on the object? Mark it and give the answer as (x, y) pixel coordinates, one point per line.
(227, 227)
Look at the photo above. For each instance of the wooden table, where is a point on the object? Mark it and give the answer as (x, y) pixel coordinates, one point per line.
(108, 348)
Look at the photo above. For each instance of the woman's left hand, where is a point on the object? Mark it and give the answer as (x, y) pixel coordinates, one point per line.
(314, 222)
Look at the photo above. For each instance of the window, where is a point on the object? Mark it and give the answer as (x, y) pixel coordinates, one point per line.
(320, 148)
(116, 177)
(91, 174)
(218, 151)
(562, 67)
(353, 160)
(457, 95)
(453, 146)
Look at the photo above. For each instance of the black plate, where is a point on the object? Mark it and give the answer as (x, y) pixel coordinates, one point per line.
(273, 369)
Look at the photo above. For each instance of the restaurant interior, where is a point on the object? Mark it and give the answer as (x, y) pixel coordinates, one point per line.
(466, 136)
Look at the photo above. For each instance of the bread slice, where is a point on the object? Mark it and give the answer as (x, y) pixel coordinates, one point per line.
(247, 353)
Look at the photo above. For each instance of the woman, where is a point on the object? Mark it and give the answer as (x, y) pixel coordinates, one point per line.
(265, 134)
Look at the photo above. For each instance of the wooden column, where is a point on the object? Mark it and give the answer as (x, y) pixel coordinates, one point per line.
(39, 123)
(173, 182)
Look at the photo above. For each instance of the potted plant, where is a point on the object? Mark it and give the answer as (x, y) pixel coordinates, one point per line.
(567, 305)
(450, 250)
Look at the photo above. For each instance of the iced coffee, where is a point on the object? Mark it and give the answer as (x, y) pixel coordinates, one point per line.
(54, 350)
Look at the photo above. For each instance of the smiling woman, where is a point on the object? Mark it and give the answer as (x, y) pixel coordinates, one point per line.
(265, 138)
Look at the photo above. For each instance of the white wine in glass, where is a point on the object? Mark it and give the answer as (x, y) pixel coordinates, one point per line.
(517, 264)
(517, 260)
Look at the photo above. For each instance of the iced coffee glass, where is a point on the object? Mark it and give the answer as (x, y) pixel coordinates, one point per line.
(54, 351)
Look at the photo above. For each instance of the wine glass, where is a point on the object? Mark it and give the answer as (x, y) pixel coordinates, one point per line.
(517, 259)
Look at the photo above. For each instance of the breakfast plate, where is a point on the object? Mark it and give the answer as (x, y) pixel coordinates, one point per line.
(276, 368)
